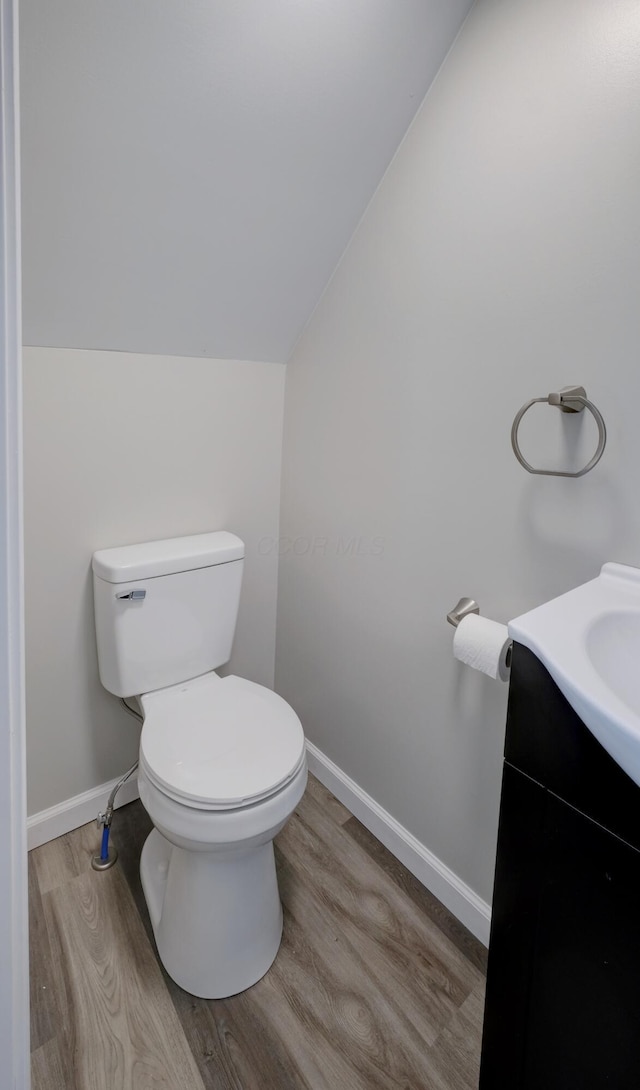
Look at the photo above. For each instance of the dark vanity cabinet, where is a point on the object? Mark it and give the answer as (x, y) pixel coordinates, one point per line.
(563, 984)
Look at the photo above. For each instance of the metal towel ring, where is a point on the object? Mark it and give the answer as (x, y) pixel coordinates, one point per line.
(571, 399)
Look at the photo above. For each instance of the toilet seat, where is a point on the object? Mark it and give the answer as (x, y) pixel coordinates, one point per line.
(219, 743)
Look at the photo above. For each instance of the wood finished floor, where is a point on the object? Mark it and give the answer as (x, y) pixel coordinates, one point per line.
(375, 987)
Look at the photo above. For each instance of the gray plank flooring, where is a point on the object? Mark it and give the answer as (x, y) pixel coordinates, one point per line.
(375, 987)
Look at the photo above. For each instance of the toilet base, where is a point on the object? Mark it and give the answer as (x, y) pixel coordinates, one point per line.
(216, 916)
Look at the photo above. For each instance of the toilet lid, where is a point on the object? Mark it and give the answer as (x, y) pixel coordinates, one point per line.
(220, 742)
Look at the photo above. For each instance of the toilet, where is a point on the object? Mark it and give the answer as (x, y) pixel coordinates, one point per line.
(222, 759)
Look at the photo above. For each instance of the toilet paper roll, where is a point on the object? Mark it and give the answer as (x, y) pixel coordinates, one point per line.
(483, 645)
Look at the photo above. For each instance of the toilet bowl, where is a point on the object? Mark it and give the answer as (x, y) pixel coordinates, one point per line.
(222, 767)
(222, 759)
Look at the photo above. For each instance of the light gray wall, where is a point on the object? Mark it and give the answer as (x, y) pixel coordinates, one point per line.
(191, 173)
(193, 170)
(500, 259)
(124, 448)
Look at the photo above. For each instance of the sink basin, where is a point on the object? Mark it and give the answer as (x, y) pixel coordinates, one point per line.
(589, 641)
(613, 645)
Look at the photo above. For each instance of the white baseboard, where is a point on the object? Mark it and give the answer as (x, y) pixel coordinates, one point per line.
(454, 894)
(71, 814)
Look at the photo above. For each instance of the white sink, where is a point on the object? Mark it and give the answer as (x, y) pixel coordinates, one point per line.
(589, 641)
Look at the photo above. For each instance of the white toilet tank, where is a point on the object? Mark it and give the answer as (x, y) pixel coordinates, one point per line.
(166, 610)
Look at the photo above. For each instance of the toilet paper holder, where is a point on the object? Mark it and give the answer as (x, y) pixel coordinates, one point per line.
(462, 609)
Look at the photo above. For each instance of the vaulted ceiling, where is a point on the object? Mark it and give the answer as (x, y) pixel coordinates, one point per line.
(192, 171)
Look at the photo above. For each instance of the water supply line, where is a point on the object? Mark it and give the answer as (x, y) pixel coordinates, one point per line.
(106, 857)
